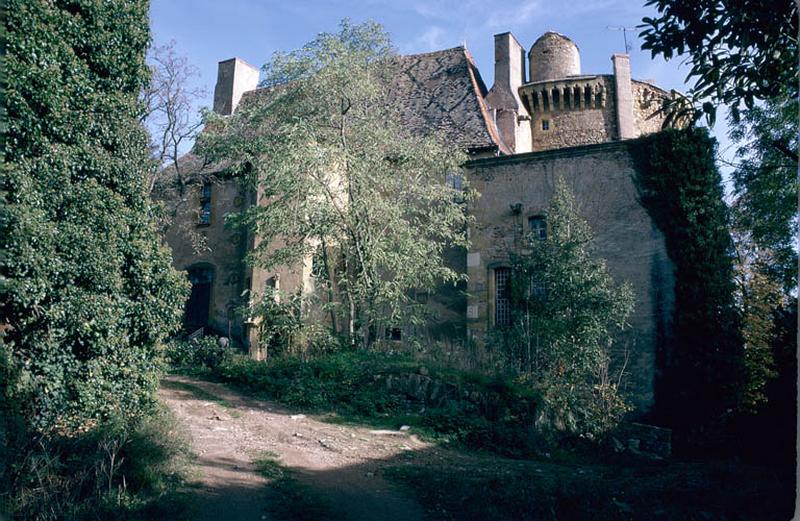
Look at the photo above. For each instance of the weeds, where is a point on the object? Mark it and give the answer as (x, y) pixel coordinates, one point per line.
(115, 471)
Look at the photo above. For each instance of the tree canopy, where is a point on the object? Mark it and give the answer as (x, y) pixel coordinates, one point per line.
(765, 186)
(740, 51)
(339, 175)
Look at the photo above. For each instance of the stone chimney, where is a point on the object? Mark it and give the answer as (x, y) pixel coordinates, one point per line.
(509, 74)
(234, 78)
(624, 94)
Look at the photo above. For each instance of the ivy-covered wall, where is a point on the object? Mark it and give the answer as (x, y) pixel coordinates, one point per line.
(701, 372)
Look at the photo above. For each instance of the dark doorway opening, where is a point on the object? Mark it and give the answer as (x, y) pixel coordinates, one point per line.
(199, 302)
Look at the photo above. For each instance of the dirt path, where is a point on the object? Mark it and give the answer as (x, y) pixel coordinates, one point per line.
(339, 464)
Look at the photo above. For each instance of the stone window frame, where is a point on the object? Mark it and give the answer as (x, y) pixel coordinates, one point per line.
(545, 125)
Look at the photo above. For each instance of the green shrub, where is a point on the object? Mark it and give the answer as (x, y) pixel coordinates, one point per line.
(200, 352)
(565, 310)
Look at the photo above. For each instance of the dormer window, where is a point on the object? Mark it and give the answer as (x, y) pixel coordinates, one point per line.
(205, 205)
(537, 227)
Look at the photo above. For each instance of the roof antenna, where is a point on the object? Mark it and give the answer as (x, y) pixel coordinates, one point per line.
(624, 35)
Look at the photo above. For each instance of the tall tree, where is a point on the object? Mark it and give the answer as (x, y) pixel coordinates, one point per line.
(88, 293)
(338, 173)
(766, 187)
(565, 311)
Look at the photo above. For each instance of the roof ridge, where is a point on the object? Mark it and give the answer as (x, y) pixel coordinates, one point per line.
(476, 80)
(440, 51)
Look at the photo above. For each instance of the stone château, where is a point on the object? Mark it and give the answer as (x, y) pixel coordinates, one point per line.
(543, 118)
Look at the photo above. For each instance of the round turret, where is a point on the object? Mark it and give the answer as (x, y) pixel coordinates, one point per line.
(553, 56)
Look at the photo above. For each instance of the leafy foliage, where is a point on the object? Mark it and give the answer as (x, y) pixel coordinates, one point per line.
(740, 51)
(766, 186)
(279, 319)
(703, 372)
(565, 309)
(89, 293)
(337, 171)
(759, 300)
(205, 351)
(115, 472)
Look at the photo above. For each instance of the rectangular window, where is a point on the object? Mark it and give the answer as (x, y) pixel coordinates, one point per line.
(205, 204)
(537, 289)
(394, 333)
(502, 297)
(456, 182)
(545, 124)
(537, 227)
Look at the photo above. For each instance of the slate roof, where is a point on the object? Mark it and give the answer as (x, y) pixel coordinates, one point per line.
(443, 91)
(438, 91)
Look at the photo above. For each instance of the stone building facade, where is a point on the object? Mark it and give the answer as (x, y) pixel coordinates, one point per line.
(542, 119)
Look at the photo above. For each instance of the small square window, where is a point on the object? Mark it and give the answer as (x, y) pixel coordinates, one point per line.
(537, 227)
(394, 333)
(537, 288)
(545, 124)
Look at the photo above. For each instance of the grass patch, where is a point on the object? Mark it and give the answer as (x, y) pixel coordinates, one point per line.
(292, 500)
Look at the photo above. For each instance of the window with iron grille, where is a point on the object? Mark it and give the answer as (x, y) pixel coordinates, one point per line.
(502, 296)
(537, 226)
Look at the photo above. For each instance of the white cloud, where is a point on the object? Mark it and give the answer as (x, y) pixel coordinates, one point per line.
(505, 17)
(433, 39)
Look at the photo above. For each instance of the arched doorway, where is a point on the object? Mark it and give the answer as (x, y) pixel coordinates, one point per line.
(197, 308)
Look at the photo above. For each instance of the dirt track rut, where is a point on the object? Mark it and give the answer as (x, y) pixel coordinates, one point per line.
(339, 464)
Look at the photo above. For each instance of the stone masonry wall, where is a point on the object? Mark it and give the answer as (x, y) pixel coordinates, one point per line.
(601, 177)
(223, 249)
(647, 100)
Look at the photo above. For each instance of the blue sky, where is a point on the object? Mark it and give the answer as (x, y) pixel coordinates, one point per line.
(208, 31)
